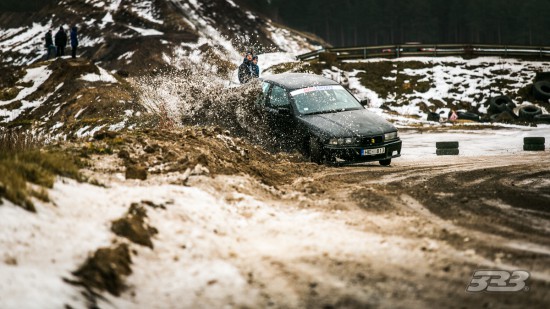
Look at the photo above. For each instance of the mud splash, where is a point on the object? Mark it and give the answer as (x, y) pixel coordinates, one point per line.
(203, 98)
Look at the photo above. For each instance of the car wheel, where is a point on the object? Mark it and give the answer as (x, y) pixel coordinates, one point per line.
(316, 154)
(385, 162)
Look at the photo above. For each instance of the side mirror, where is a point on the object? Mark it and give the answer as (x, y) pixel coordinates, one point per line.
(365, 102)
(284, 111)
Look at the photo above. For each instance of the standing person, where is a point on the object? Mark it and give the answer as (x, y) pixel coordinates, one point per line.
(74, 41)
(255, 67)
(245, 71)
(60, 41)
(50, 48)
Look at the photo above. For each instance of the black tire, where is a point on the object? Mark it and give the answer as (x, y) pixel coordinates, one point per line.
(386, 162)
(446, 145)
(500, 104)
(316, 153)
(541, 90)
(529, 112)
(538, 147)
(433, 117)
(534, 140)
(468, 116)
(545, 118)
(447, 152)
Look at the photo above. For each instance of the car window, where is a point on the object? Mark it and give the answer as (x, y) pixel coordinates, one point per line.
(324, 99)
(278, 97)
(263, 95)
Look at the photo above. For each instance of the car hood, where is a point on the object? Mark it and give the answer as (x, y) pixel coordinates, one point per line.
(348, 123)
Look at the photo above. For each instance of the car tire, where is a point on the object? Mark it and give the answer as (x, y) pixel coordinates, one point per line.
(447, 152)
(542, 118)
(446, 145)
(468, 116)
(529, 112)
(533, 147)
(316, 154)
(541, 90)
(500, 104)
(534, 140)
(386, 162)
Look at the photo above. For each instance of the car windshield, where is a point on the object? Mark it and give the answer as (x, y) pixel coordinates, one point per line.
(324, 99)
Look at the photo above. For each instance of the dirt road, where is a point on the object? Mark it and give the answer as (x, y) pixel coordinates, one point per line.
(430, 226)
(296, 235)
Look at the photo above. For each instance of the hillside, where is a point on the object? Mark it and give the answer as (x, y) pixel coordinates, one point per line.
(137, 35)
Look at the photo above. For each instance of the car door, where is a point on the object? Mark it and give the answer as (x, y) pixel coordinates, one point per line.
(279, 114)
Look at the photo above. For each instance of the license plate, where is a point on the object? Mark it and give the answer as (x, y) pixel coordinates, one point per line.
(373, 152)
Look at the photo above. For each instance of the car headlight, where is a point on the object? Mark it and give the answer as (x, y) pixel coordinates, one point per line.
(343, 141)
(391, 136)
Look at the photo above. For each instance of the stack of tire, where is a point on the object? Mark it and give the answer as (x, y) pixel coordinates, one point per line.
(446, 148)
(501, 109)
(541, 92)
(533, 143)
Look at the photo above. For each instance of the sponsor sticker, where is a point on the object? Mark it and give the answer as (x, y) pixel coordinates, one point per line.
(317, 88)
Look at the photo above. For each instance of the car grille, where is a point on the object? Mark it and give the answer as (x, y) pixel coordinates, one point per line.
(371, 140)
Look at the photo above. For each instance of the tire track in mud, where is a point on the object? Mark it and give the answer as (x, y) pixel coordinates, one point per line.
(487, 212)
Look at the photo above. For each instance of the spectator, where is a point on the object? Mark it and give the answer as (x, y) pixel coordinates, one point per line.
(255, 67)
(50, 48)
(245, 69)
(60, 41)
(74, 41)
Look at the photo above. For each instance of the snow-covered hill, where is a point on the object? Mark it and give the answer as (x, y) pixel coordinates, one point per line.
(134, 35)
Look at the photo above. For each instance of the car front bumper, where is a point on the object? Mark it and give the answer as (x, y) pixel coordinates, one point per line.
(392, 149)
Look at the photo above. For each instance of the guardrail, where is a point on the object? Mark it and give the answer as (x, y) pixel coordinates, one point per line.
(429, 50)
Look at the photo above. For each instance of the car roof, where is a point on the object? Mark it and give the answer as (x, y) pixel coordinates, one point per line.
(292, 81)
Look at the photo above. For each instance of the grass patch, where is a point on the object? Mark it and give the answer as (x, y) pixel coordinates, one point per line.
(22, 161)
(9, 93)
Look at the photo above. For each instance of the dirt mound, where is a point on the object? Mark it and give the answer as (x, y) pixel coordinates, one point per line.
(196, 151)
(106, 269)
(134, 228)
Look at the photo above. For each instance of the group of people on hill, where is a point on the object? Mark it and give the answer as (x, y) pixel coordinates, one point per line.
(249, 69)
(55, 46)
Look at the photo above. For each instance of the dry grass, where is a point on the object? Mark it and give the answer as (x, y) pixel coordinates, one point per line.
(23, 160)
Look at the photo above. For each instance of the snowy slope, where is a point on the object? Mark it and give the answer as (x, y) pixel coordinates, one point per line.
(145, 32)
(414, 86)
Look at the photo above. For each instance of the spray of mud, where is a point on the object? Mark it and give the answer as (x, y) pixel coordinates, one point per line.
(202, 97)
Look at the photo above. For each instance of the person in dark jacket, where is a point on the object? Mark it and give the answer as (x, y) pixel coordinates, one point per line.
(255, 67)
(245, 69)
(60, 41)
(50, 48)
(74, 41)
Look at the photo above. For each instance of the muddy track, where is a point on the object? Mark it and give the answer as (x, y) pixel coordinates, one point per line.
(452, 216)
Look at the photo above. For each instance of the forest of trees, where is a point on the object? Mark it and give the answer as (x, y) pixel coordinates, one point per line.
(378, 22)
